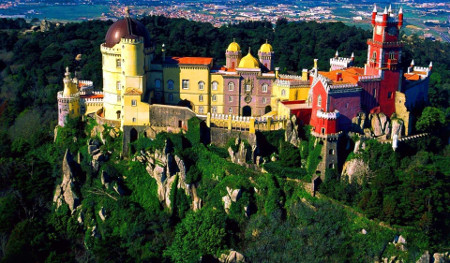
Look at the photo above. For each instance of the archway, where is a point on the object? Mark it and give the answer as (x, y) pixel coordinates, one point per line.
(133, 135)
(267, 109)
(247, 111)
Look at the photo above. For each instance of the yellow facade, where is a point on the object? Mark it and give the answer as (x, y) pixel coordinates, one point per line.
(137, 113)
(196, 87)
(171, 82)
(217, 95)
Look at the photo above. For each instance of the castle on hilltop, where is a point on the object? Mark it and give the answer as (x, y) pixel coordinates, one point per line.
(143, 93)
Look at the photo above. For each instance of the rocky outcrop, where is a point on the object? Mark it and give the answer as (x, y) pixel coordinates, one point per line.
(355, 171)
(425, 258)
(232, 257)
(241, 156)
(164, 166)
(380, 124)
(102, 214)
(67, 191)
(359, 122)
(397, 128)
(232, 196)
(435, 258)
(291, 134)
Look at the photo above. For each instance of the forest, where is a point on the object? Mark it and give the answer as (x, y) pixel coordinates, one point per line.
(406, 194)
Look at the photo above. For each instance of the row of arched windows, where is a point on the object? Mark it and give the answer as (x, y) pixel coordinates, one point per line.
(201, 85)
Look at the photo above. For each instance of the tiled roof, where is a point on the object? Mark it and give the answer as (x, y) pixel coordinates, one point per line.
(349, 75)
(189, 60)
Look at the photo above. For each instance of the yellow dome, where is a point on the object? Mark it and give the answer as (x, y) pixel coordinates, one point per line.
(233, 47)
(249, 62)
(266, 48)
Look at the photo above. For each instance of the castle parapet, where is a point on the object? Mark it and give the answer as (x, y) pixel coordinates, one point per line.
(329, 137)
(328, 115)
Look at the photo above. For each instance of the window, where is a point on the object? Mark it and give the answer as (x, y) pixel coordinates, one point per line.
(264, 88)
(133, 103)
(200, 109)
(283, 92)
(331, 151)
(230, 98)
(157, 84)
(118, 98)
(118, 86)
(319, 101)
(215, 85)
(214, 98)
(248, 87)
(389, 95)
(230, 110)
(346, 105)
(134, 119)
(231, 86)
(185, 84)
(264, 100)
(170, 84)
(331, 166)
(201, 85)
(118, 63)
(375, 93)
(200, 98)
(374, 56)
(170, 97)
(323, 130)
(214, 109)
(391, 55)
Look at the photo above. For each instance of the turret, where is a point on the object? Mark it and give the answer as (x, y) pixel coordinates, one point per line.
(233, 55)
(336, 54)
(400, 18)
(431, 65)
(352, 56)
(374, 14)
(411, 66)
(390, 9)
(385, 17)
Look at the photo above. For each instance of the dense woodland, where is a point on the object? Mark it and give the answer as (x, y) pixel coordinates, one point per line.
(408, 190)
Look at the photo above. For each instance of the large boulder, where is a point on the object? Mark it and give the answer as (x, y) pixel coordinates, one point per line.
(355, 170)
(397, 128)
(232, 196)
(441, 257)
(359, 122)
(379, 123)
(291, 134)
(67, 191)
(232, 257)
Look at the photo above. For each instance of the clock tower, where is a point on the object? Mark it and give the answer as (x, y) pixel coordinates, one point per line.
(384, 49)
(384, 55)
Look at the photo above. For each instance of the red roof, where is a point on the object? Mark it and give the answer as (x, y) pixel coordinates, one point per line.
(189, 60)
(92, 96)
(412, 76)
(349, 75)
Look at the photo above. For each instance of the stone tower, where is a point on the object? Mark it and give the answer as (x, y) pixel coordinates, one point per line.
(68, 99)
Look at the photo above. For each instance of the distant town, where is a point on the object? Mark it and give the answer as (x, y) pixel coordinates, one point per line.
(427, 19)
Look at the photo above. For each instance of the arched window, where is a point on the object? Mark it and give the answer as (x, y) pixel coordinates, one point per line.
(200, 98)
(200, 109)
(214, 97)
(230, 110)
(215, 85)
(374, 56)
(248, 87)
(214, 109)
(157, 84)
(264, 88)
(283, 92)
(391, 55)
(170, 84)
(230, 98)
(201, 85)
(319, 101)
(170, 97)
(231, 86)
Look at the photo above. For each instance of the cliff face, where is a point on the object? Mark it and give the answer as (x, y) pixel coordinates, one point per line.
(67, 191)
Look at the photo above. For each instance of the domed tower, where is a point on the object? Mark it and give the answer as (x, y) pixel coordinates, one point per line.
(249, 61)
(265, 55)
(68, 99)
(233, 55)
(126, 58)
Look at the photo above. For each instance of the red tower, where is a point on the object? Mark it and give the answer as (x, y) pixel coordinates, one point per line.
(384, 55)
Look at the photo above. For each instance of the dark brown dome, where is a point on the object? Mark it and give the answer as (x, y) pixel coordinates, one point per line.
(127, 28)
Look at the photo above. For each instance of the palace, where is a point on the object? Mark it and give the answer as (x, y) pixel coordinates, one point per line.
(142, 92)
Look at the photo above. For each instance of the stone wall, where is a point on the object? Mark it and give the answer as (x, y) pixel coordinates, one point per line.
(220, 136)
(170, 116)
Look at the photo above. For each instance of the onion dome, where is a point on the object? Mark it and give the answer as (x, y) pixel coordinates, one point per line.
(234, 47)
(248, 61)
(266, 48)
(128, 28)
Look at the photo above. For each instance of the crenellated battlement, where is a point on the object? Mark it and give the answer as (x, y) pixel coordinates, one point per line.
(328, 115)
(369, 78)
